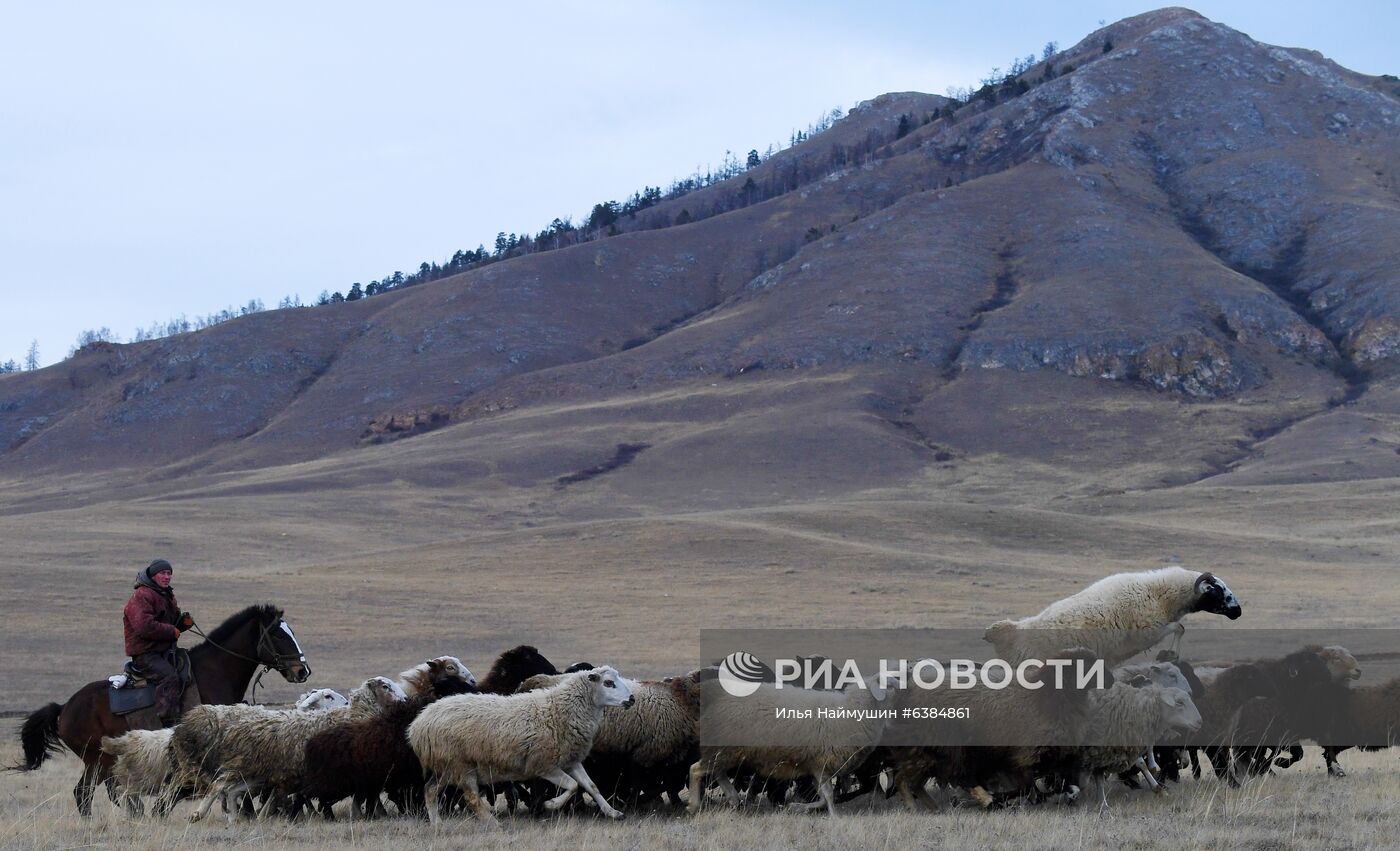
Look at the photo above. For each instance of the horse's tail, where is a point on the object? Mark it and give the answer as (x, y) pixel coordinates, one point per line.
(39, 736)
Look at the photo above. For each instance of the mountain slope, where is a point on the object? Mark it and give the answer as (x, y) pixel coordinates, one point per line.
(1141, 269)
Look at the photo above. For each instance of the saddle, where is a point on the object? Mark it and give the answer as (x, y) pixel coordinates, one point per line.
(132, 690)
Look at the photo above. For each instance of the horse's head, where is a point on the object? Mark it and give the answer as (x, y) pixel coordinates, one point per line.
(279, 649)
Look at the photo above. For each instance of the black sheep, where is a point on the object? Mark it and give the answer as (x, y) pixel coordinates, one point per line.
(362, 759)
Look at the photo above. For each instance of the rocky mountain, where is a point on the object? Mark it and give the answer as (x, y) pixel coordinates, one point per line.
(1165, 254)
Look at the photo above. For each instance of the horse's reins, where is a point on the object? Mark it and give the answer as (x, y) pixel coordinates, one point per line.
(265, 667)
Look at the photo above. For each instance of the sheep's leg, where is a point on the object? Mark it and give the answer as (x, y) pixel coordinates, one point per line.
(727, 786)
(220, 788)
(828, 794)
(432, 798)
(561, 779)
(1295, 753)
(983, 798)
(579, 773)
(1176, 629)
(268, 806)
(1141, 765)
(1152, 762)
(913, 791)
(473, 796)
(1329, 755)
(1103, 795)
(695, 790)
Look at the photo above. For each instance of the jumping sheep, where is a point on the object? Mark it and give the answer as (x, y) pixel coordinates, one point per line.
(471, 739)
(1117, 617)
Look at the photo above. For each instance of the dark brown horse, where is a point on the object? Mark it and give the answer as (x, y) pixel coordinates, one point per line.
(223, 666)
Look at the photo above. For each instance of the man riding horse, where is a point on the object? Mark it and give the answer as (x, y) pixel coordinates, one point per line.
(152, 622)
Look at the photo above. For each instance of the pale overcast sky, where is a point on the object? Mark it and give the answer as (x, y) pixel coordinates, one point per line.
(163, 159)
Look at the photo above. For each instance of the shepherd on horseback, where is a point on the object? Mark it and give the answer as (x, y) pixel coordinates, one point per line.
(152, 622)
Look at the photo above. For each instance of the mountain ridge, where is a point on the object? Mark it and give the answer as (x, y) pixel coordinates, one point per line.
(1182, 242)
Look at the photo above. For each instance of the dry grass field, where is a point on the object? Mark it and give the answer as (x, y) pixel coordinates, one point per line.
(1301, 807)
(376, 578)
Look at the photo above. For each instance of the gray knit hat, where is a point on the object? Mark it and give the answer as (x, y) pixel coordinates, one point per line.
(157, 566)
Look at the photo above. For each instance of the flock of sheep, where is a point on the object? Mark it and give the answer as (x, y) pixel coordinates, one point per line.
(527, 737)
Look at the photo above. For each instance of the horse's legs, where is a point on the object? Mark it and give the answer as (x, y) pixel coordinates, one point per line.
(82, 792)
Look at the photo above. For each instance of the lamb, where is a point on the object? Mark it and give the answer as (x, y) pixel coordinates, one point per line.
(470, 739)
(1117, 617)
(514, 667)
(418, 680)
(1125, 722)
(820, 748)
(1011, 735)
(261, 747)
(362, 759)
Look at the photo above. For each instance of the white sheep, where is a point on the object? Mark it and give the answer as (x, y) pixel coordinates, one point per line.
(796, 733)
(1117, 617)
(646, 749)
(259, 748)
(321, 699)
(1125, 723)
(144, 765)
(469, 739)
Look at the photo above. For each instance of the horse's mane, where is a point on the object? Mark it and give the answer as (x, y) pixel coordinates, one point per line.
(259, 612)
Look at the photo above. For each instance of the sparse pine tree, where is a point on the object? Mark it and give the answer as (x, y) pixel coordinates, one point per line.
(904, 127)
(754, 160)
(355, 293)
(1050, 49)
(31, 358)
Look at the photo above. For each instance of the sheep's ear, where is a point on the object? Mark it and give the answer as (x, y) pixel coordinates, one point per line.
(1140, 681)
(593, 678)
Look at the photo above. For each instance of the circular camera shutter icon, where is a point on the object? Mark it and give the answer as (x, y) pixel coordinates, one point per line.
(740, 674)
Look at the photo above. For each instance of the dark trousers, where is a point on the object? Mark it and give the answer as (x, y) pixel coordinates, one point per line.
(162, 675)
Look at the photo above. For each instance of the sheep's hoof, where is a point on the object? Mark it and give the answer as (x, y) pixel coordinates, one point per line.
(1336, 770)
(1160, 790)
